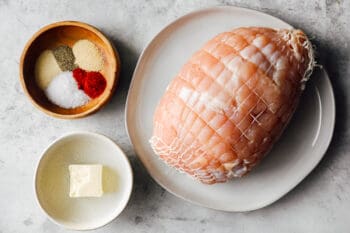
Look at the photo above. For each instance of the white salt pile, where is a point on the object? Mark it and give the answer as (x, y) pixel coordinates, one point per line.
(63, 91)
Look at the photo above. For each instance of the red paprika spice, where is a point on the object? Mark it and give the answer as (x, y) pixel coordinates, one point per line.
(79, 76)
(94, 84)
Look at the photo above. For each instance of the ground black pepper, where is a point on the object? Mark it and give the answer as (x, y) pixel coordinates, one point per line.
(64, 57)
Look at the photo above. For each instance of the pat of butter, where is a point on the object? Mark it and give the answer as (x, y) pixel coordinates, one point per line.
(85, 180)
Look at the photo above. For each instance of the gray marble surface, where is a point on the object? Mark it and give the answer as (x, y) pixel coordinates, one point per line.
(321, 203)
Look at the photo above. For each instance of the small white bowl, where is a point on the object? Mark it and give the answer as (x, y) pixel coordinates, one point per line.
(52, 181)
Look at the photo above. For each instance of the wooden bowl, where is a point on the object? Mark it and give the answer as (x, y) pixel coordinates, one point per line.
(67, 33)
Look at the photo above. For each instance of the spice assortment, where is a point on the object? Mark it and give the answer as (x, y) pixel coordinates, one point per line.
(70, 77)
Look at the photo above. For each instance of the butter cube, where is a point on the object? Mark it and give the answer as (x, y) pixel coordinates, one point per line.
(85, 180)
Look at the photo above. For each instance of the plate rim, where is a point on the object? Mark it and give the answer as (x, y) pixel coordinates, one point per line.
(127, 114)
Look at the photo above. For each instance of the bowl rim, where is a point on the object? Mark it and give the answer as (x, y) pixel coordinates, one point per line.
(128, 169)
(106, 41)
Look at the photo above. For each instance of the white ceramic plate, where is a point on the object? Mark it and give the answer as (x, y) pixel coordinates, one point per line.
(299, 150)
(52, 181)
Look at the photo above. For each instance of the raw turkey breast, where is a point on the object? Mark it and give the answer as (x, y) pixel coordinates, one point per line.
(231, 101)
